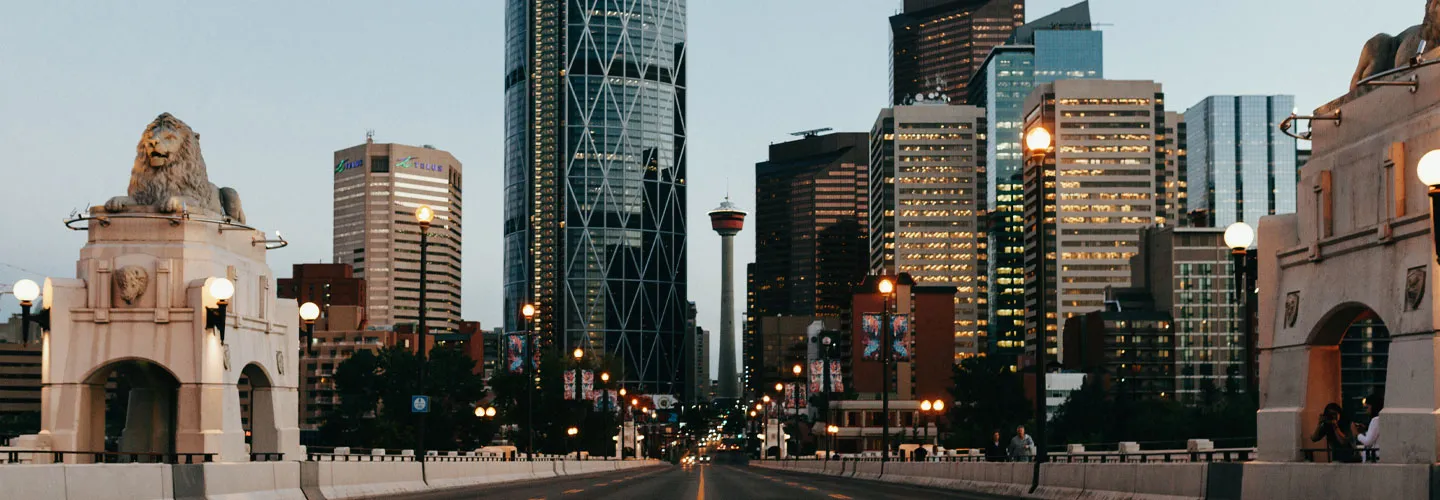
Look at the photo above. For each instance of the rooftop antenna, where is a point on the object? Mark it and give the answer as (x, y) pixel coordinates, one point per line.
(369, 136)
(812, 132)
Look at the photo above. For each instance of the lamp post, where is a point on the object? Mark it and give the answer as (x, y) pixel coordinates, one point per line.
(221, 289)
(886, 287)
(579, 355)
(826, 343)
(527, 312)
(27, 291)
(606, 401)
(928, 410)
(1428, 171)
(831, 430)
(309, 312)
(765, 424)
(1238, 237)
(572, 432)
(1038, 146)
(626, 413)
(423, 215)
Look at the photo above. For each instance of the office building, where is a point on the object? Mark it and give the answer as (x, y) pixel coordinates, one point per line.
(753, 345)
(1132, 349)
(928, 373)
(927, 188)
(19, 379)
(1364, 356)
(377, 189)
(1189, 272)
(493, 355)
(1171, 200)
(1241, 166)
(810, 225)
(1059, 46)
(595, 135)
(697, 360)
(942, 42)
(1100, 180)
(339, 334)
(785, 344)
(323, 284)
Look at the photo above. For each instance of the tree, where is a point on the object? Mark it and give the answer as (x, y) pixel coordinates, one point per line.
(988, 397)
(375, 391)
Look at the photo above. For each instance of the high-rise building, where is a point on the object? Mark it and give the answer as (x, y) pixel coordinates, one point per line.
(1189, 273)
(927, 185)
(1058, 46)
(19, 379)
(1131, 347)
(1100, 184)
(942, 42)
(810, 224)
(377, 189)
(928, 371)
(595, 231)
(1241, 166)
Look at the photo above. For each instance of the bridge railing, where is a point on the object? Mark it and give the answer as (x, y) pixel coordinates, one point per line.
(102, 457)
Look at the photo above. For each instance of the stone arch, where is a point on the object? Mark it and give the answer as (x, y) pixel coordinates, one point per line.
(136, 406)
(258, 409)
(1328, 377)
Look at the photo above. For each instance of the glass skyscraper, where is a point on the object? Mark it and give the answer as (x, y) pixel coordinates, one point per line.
(1060, 46)
(595, 181)
(1241, 167)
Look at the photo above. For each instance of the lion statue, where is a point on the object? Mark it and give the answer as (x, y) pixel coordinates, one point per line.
(1384, 52)
(170, 176)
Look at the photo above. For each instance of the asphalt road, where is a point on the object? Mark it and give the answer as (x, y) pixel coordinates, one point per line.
(701, 482)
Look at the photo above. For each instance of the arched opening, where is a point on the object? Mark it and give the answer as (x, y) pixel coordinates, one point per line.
(139, 397)
(1351, 354)
(257, 410)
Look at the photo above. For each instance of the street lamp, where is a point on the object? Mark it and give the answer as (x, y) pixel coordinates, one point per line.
(832, 430)
(929, 409)
(309, 312)
(886, 287)
(485, 411)
(1428, 171)
(423, 215)
(27, 291)
(572, 432)
(765, 425)
(1238, 237)
(222, 290)
(527, 312)
(1038, 145)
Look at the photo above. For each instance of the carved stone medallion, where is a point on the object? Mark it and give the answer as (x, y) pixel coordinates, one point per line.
(280, 362)
(1292, 308)
(1414, 287)
(131, 282)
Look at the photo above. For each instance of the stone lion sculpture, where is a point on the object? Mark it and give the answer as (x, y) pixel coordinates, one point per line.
(170, 175)
(1384, 52)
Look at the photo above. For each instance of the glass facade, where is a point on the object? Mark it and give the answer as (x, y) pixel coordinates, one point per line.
(1009, 74)
(595, 180)
(1241, 167)
(943, 43)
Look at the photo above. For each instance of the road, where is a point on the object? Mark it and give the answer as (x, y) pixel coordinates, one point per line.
(701, 482)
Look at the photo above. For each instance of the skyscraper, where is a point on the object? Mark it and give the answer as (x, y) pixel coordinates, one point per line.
(377, 189)
(595, 180)
(1100, 189)
(1058, 46)
(944, 41)
(810, 233)
(927, 188)
(1241, 166)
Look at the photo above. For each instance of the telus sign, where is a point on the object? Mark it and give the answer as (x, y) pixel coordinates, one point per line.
(409, 162)
(346, 164)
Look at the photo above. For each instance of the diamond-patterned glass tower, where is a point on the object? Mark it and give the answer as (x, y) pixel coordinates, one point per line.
(595, 179)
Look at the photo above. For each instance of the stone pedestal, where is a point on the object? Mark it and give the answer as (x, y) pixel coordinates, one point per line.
(1360, 241)
(139, 305)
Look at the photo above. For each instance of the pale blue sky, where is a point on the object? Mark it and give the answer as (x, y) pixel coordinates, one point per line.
(274, 87)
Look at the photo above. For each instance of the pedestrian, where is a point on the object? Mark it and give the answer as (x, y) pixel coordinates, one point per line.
(995, 452)
(1021, 446)
(1336, 430)
(1369, 434)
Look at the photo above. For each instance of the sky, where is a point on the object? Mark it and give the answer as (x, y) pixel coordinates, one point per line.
(274, 87)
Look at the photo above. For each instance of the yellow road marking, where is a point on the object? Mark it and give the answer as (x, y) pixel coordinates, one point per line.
(601, 484)
(567, 492)
(700, 495)
(837, 495)
(809, 488)
(791, 483)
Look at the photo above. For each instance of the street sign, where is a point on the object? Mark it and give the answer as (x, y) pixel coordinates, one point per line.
(419, 404)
